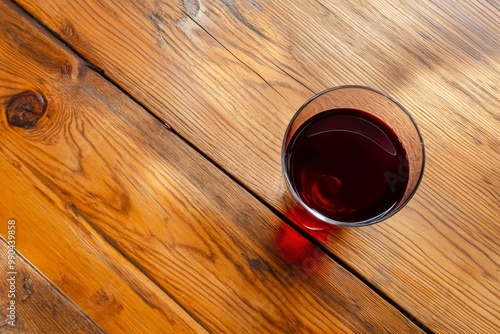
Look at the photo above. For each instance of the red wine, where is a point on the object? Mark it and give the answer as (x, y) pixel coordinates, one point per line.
(347, 165)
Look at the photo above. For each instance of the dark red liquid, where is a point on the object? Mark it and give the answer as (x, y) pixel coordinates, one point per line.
(347, 165)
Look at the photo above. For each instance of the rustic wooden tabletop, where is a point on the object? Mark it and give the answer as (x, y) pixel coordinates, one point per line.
(141, 187)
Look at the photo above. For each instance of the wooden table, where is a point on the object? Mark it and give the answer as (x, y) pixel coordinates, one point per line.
(140, 167)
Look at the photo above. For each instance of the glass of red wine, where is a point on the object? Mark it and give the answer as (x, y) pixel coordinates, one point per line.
(352, 156)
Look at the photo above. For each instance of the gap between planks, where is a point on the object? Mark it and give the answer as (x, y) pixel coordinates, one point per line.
(23, 267)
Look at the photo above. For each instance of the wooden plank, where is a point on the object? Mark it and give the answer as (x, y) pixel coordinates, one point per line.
(229, 75)
(77, 259)
(97, 178)
(37, 306)
(51, 231)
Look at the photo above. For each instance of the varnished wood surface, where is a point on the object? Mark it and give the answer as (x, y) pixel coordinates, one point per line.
(70, 252)
(228, 76)
(39, 307)
(140, 231)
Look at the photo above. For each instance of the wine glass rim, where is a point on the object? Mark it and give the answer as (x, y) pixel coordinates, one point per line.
(373, 220)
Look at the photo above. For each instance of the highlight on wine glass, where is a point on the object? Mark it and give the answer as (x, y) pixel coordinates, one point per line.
(352, 156)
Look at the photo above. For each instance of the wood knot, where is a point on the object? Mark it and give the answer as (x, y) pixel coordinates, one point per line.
(25, 109)
(66, 69)
(28, 287)
(67, 30)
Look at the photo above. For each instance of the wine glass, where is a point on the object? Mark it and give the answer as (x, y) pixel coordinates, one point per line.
(351, 156)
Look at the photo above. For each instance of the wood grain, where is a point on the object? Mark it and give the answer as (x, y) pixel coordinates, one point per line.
(39, 307)
(78, 260)
(51, 231)
(99, 185)
(229, 75)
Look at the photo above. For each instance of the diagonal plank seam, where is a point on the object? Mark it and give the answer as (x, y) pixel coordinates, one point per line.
(88, 63)
(52, 286)
(233, 178)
